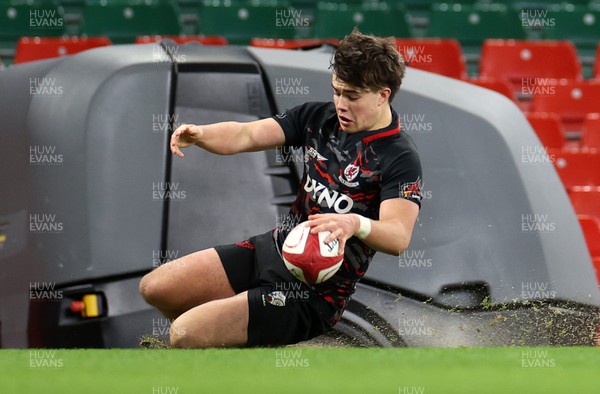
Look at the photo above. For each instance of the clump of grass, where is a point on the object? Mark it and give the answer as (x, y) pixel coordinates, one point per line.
(152, 342)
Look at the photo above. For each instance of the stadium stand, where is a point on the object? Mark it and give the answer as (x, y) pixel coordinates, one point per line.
(591, 230)
(123, 23)
(548, 128)
(597, 63)
(440, 56)
(591, 131)
(571, 100)
(498, 85)
(300, 43)
(577, 23)
(38, 48)
(425, 5)
(18, 20)
(577, 168)
(204, 40)
(335, 20)
(472, 24)
(239, 23)
(518, 60)
(586, 200)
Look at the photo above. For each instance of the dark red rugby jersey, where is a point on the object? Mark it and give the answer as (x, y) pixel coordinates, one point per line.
(347, 173)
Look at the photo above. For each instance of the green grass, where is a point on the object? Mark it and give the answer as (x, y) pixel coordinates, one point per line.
(314, 370)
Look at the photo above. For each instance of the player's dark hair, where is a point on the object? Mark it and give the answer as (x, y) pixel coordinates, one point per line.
(369, 63)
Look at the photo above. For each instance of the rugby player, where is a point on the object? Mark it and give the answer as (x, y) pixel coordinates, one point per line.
(361, 182)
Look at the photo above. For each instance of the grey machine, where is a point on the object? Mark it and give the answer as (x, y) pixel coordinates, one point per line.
(91, 200)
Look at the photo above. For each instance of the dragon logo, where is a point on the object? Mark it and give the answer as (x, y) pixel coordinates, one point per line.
(351, 172)
(411, 190)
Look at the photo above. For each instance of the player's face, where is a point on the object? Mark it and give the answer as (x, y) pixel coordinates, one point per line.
(358, 110)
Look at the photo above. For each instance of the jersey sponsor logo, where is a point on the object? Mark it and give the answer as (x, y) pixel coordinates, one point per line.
(282, 115)
(318, 192)
(312, 152)
(411, 190)
(350, 173)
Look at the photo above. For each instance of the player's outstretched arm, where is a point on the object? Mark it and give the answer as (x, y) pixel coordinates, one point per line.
(228, 138)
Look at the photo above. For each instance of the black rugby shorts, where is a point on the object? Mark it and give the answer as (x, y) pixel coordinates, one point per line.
(283, 310)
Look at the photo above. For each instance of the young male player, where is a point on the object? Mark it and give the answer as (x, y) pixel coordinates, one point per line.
(361, 182)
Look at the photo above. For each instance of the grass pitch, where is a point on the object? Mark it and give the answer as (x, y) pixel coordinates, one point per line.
(302, 370)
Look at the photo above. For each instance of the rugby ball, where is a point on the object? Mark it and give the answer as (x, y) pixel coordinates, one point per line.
(308, 257)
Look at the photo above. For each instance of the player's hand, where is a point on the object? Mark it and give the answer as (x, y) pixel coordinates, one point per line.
(341, 226)
(184, 136)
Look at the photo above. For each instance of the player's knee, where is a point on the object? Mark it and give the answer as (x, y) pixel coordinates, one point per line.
(180, 337)
(151, 289)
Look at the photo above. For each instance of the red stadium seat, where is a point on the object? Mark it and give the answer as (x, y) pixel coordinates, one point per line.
(548, 128)
(591, 231)
(440, 56)
(586, 200)
(204, 40)
(38, 48)
(520, 60)
(497, 85)
(304, 43)
(591, 131)
(577, 168)
(597, 63)
(571, 100)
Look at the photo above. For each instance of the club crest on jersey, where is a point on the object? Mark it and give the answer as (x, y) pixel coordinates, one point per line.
(312, 152)
(276, 298)
(350, 174)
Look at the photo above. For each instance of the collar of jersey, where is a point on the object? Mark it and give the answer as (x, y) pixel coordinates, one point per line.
(369, 136)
